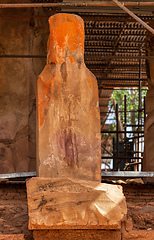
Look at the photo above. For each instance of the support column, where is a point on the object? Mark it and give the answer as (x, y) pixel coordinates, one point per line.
(148, 163)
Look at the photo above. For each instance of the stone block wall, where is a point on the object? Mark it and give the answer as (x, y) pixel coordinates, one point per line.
(20, 34)
(13, 210)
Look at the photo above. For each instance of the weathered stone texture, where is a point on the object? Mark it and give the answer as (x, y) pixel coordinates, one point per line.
(138, 235)
(148, 163)
(76, 235)
(18, 77)
(62, 203)
(13, 211)
(12, 237)
(68, 111)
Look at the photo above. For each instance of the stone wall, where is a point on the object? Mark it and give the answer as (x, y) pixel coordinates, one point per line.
(13, 209)
(148, 161)
(21, 34)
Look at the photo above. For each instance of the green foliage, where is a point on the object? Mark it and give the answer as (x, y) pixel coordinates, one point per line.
(132, 100)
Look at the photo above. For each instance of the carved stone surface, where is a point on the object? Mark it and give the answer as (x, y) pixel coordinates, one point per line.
(68, 130)
(74, 204)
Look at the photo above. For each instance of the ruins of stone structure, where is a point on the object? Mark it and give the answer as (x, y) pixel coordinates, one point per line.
(68, 130)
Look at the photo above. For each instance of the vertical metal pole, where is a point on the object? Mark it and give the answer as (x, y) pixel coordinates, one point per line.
(140, 97)
(144, 113)
(139, 107)
(117, 137)
(114, 154)
(125, 128)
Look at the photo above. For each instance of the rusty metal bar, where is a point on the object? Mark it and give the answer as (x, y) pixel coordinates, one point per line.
(127, 174)
(120, 79)
(69, 4)
(141, 136)
(85, 18)
(115, 157)
(117, 135)
(135, 131)
(144, 112)
(106, 150)
(134, 16)
(115, 47)
(101, 57)
(125, 126)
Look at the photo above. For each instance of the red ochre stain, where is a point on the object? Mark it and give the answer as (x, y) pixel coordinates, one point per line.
(66, 37)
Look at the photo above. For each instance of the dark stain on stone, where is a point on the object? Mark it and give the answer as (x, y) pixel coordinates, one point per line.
(79, 62)
(61, 136)
(45, 186)
(63, 71)
(80, 202)
(76, 150)
(2, 152)
(53, 69)
(45, 111)
(42, 203)
(69, 152)
(32, 22)
(68, 20)
(51, 199)
(49, 208)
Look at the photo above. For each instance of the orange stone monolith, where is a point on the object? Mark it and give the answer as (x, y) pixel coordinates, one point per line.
(68, 130)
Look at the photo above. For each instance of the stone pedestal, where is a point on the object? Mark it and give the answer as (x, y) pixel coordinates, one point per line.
(74, 204)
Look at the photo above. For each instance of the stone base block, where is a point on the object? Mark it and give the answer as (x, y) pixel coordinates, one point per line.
(138, 235)
(12, 237)
(74, 204)
(77, 234)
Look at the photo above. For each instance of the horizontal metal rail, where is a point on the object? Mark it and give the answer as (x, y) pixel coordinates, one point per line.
(69, 4)
(100, 57)
(127, 174)
(120, 79)
(17, 175)
(108, 131)
(120, 158)
(121, 5)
